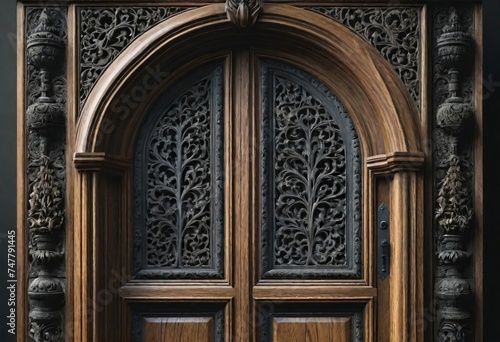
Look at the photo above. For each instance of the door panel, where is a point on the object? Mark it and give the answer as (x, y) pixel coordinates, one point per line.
(311, 329)
(311, 321)
(181, 329)
(310, 179)
(179, 182)
(178, 321)
(247, 189)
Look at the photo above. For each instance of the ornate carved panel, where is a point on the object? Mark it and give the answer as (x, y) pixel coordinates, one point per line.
(46, 33)
(106, 31)
(453, 93)
(310, 179)
(393, 31)
(179, 182)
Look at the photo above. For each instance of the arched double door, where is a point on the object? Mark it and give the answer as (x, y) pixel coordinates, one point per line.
(242, 197)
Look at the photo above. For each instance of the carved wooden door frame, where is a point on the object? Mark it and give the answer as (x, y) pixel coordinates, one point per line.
(393, 142)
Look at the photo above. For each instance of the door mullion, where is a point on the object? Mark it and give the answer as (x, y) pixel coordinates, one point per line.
(242, 192)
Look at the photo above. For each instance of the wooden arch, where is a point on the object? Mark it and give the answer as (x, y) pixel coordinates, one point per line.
(381, 108)
(383, 112)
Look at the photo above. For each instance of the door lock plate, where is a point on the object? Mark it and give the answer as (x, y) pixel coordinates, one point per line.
(383, 237)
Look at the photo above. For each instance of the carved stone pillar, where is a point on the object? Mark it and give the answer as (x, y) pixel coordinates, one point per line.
(453, 210)
(45, 120)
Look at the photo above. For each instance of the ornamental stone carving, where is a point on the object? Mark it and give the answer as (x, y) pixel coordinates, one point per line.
(453, 210)
(45, 119)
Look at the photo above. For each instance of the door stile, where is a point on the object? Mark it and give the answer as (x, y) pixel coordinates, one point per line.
(405, 296)
(229, 176)
(242, 205)
(254, 115)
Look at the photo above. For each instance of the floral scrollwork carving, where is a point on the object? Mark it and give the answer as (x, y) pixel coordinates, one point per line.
(454, 203)
(106, 32)
(394, 32)
(46, 214)
(310, 181)
(310, 225)
(182, 224)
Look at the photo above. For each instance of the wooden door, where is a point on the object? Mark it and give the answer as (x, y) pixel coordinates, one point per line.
(238, 200)
(248, 209)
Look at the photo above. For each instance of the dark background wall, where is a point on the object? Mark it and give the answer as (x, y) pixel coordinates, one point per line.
(491, 157)
(491, 169)
(7, 148)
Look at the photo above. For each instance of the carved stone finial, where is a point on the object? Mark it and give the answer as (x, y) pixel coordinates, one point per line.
(454, 43)
(453, 49)
(44, 44)
(243, 13)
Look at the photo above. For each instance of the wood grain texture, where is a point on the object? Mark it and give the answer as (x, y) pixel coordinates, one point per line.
(242, 182)
(313, 292)
(22, 197)
(72, 288)
(311, 329)
(178, 329)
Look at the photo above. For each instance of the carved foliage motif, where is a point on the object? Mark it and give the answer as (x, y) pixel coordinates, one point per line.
(313, 156)
(310, 180)
(454, 203)
(243, 13)
(394, 32)
(181, 183)
(452, 105)
(46, 118)
(105, 32)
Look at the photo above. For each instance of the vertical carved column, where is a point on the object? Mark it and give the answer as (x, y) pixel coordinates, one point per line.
(453, 211)
(45, 119)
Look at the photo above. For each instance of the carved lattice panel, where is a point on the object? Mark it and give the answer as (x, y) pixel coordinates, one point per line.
(393, 31)
(178, 182)
(106, 31)
(310, 179)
